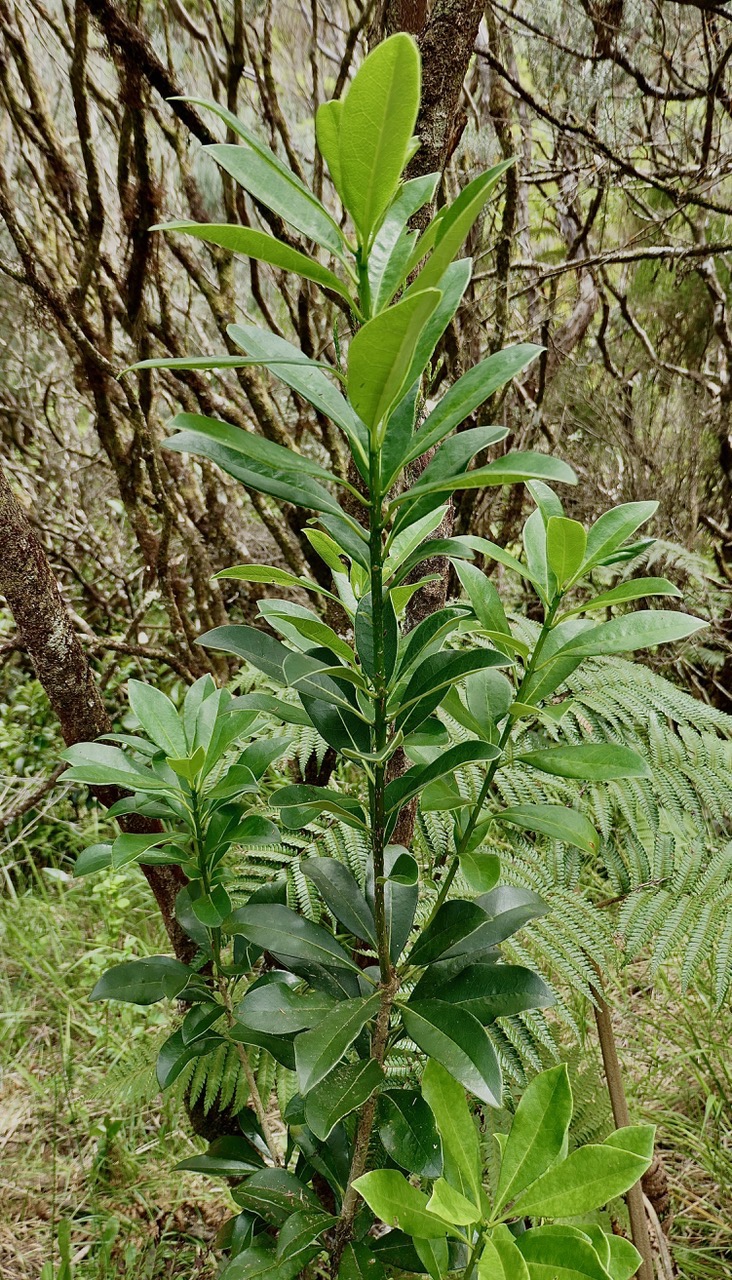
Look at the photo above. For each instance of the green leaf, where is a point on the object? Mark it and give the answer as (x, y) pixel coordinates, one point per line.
(450, 1205)
(400, 899)
(556, 1252)
(100, 765)
(96, 858)
(397, 1203)
(450, 228)
(328, 138)
(297, 1241)
(263, 248)
(586, 1180)
(413, 782)
(366, 639)
(392, 245)
(538, 1133)
(143, 981)
(307, 380)
(228, 1157)
(407, 1130)
(636, 589)
(565, 547)
(253, 447)
(343, 1090)
(316, 800)
(128, 847)
(277, 1005)
(640, 630)
(380, 356)
(158, 717)
(434, 1256)
(613, 528)
(483, 596)
(491, 991)
(480, 869)
(339, 890)
(359, 1263)
(376, 127)
(597, 762)
(458, 1041)
(278, 188)
(460, 1144)
(469, 392)
(556, 821)
(275, 1194)
(319, 1050)
(624, 1258)
(286, 484)
(455, 920)
(513, 468)
(439, 672)
(500, 1259)
(286, 934)
(175, 1055)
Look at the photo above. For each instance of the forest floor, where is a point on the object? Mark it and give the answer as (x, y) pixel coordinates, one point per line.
(87, 1146)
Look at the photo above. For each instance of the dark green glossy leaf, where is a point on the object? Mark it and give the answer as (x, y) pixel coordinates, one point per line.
(593, 761)
(555, 821)
(275, 1194)
(491, 991)
(458, 1041)
(143, 981)
(286, 934)
(228, 1157)
(377, 653)
(339, 890)
(413, 782)
(277, 1006)
(407, 1130)
(455, 920)
(641, 630)
(342, 1091)
(319, 1050)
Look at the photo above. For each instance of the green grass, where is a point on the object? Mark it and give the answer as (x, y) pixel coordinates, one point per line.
(87, 1145)
(84, 1140)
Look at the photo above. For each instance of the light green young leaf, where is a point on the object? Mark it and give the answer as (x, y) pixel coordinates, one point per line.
(460, 1145)
(624, 1258)
(376, 127)
(451, 1206)
(500, 1259)
(586, 1180)
(434, 1256)
(380, 356)
(328, 137)
(565, 547)
(397, 1203)
(560, 1253)
(537, 1135)
(392, 245)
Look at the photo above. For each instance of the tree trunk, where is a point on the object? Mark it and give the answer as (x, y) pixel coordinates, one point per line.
(47, 632)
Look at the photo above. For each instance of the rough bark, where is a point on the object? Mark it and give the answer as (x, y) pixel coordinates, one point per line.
(46, 631)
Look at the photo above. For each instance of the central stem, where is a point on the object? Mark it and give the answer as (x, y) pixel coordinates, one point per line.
(377, 782)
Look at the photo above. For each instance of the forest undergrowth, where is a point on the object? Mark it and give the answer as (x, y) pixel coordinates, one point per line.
(87, 1191)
